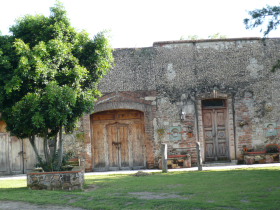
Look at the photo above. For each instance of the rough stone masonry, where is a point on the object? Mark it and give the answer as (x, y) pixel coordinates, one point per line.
(221, 93)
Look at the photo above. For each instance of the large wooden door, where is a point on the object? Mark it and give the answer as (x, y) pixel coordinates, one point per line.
(118, 140)
(11, 155)
(16, 155)
(215, 133)
(117, 137)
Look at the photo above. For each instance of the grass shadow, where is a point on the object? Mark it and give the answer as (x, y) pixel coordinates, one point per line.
(256, 188)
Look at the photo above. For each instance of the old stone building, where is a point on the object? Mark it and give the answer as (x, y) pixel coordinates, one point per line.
(221, 93)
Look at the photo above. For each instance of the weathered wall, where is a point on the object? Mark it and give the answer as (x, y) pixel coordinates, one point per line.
(185, 72)
(174, 77)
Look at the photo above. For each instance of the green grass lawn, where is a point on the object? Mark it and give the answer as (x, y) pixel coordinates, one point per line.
(257, 188)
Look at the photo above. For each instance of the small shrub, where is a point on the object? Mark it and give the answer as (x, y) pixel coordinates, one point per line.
(53, 165)
(272, 148)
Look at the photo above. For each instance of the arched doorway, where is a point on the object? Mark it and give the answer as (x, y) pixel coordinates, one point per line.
(118, 138)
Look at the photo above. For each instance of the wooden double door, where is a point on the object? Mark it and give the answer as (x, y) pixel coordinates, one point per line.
(215, 133)
(16, 155)
(118, 140)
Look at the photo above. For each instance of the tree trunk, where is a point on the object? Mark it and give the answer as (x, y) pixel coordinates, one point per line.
(47, 149)
(32, 142)
(60, 149)
(54, 149)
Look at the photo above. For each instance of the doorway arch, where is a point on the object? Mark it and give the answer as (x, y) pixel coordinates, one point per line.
(118, 140)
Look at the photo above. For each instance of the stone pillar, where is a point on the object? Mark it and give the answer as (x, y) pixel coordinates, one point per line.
(164, 158)
(199, 159)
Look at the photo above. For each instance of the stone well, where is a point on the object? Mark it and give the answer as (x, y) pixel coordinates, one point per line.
(59, 180)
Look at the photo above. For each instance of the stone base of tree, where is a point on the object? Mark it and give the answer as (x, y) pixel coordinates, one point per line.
(59, 180)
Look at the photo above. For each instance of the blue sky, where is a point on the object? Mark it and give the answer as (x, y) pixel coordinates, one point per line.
(139, 23)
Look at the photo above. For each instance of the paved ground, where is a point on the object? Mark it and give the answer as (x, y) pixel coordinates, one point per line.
(13, 205)
(216, 167)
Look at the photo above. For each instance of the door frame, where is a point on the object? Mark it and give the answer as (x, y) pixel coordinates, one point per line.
(214, 121)
(107, 122)
(230, 123)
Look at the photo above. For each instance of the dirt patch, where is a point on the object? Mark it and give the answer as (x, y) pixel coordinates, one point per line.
(72, 198)
(245, 201)
(151, 196)
(141, 173)
(174, 186)
(90, 188)
(15, 205)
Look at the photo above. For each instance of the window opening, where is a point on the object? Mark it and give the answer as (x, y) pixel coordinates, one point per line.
(213, 103)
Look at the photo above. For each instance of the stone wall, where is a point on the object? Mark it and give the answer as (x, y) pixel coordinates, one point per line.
(67, 180)
(170, 78)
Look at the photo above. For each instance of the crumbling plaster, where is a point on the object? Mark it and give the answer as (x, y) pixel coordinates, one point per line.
(184, 71)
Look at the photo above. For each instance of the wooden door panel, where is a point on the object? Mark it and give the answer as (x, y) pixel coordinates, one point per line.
(222, 147)
(222, 150)
(99, 152)
(209, 135)
(123, 139)
(113, 145)
(123, 136)
(125, 115)
(207, 119)
(138, 150)
(16, 155)
(220, 116)
(209, 151)
(4, 153)
(215, 134)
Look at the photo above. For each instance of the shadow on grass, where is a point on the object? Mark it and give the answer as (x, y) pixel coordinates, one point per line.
(240, 189)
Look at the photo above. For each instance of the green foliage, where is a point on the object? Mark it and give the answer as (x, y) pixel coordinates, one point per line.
(268, 16)
(54, 165)
(196, 37)
(217, 36)
(190, 37)
(49, 74)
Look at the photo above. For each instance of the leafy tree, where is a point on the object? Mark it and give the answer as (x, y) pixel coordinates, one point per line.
(268, 18)
(48, 79)
(190, 37)
(196, 37)
(268, 15)
(217, 36)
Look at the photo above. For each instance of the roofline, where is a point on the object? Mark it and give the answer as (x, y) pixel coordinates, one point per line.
(161, 43)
